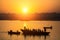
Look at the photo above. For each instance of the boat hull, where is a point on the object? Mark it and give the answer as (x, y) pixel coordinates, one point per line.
(16, 33)
(25, 32)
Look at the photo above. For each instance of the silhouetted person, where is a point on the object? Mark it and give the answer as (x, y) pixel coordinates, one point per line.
(39, 30)
(10, 30)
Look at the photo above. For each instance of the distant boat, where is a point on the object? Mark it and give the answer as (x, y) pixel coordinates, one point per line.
(11, 32)
(35, 32)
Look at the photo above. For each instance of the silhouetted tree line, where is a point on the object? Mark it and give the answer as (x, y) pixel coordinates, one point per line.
(38, 16)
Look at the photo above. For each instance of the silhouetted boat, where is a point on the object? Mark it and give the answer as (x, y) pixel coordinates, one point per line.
(35, 32)
(11, 32)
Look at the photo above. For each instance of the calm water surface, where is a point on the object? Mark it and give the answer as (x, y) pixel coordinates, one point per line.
(15, 25)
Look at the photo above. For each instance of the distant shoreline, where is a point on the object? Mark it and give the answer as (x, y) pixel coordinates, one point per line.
(34, 17)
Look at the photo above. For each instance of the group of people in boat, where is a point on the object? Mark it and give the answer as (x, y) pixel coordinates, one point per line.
(32, 32)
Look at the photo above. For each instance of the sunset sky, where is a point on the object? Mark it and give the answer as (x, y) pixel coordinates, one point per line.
(29, 6)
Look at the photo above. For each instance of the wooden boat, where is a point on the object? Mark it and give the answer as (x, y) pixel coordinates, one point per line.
(11, 32)
(31, 32)
(35, 32)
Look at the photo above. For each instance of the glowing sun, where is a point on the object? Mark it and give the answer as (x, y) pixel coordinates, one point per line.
(25, 10)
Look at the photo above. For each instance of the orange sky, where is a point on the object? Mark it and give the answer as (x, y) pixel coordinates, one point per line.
(33, 6)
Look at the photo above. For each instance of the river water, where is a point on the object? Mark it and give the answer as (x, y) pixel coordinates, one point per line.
(6, 25)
